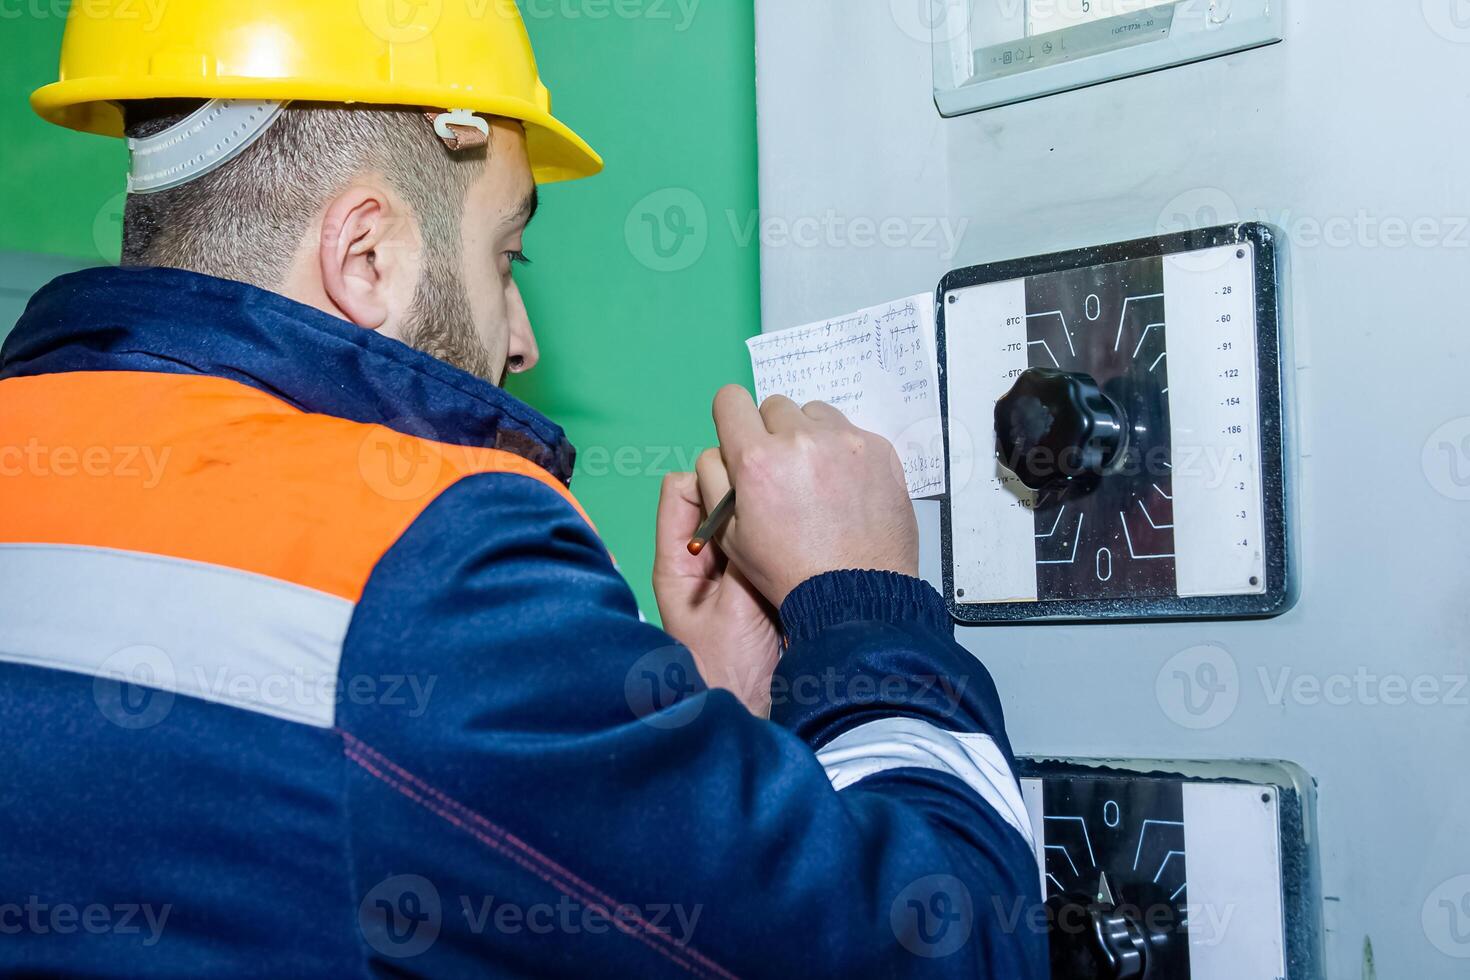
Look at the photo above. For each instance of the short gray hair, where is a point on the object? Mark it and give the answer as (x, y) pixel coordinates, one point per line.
(245, 220)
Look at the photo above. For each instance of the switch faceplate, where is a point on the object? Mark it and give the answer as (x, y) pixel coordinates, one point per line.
(1213, 869)
(1178, 339)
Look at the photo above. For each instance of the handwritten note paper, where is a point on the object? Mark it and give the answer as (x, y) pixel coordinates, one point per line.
(876, 365)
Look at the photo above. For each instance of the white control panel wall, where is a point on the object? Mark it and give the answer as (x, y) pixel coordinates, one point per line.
(1363, 682)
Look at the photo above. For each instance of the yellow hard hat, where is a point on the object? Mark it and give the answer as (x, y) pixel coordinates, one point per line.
(433, 54)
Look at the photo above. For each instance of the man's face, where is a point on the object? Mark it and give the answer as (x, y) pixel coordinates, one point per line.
(467, 309)
(497, 209)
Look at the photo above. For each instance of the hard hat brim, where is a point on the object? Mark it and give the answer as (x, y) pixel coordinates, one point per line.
(90, 105)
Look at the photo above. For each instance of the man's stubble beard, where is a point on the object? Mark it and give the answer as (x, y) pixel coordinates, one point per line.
(441, 324)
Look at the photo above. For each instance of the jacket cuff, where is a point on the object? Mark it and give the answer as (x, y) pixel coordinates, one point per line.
(852, 596)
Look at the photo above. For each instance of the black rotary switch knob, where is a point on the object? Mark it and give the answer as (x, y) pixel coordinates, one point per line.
(1057, 428)
(1097, 939)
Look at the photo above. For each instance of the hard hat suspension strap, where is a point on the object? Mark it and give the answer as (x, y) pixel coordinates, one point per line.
(203, 141)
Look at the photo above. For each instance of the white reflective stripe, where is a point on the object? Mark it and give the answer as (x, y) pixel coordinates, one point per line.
(203, 630)
(908, 743)
(205, 140)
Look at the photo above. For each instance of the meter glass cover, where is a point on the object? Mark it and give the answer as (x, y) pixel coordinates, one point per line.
(988, 54)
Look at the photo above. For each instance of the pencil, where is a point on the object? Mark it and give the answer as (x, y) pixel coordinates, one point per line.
(713, 523)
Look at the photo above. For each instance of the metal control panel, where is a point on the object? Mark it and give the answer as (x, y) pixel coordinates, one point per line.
(1184, 871)
(1114, 431)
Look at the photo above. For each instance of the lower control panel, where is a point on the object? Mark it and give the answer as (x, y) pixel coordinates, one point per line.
(1175, 871)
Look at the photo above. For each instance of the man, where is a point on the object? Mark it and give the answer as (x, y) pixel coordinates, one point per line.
(311, 664)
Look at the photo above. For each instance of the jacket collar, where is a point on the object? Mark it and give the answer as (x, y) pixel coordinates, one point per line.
(169, 320)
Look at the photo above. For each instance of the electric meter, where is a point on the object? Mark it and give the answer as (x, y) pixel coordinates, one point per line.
(994, 52)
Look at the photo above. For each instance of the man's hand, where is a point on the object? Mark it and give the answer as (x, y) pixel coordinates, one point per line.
(814, 493)
(708, 606)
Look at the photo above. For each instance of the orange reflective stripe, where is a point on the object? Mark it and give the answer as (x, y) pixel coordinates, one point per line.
(212, 470)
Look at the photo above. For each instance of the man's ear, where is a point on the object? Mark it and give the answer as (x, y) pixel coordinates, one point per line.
(362, 260)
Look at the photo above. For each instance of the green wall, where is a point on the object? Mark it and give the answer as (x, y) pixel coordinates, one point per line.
(641, 291)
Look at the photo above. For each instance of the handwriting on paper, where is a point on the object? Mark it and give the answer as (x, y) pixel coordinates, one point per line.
(876, 365)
